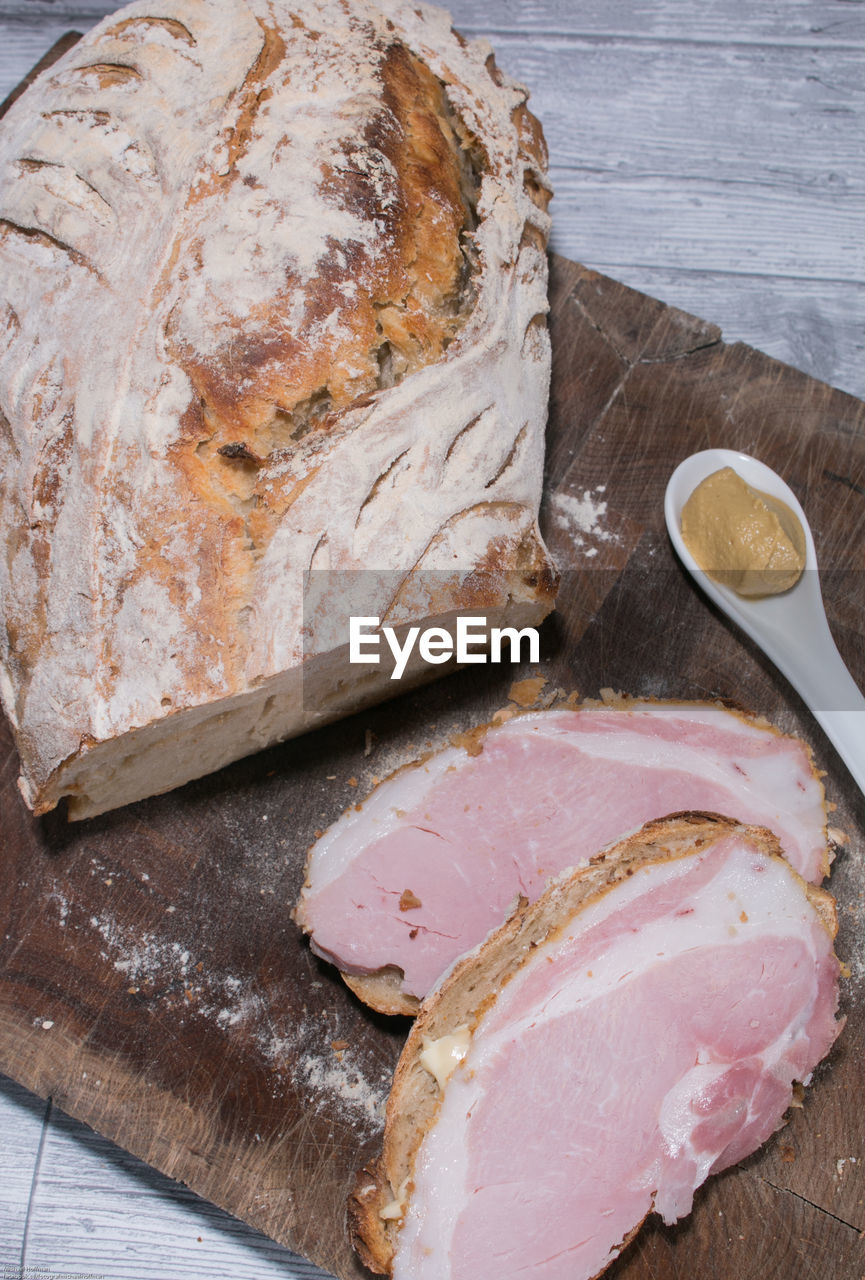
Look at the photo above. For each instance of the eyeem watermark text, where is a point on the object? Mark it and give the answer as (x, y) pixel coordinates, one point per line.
(437, 645)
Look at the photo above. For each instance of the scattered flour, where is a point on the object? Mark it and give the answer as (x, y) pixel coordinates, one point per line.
(850, 945)
(583, 516)
(58, 899)
(300, 1052)
(337, 1076)
(243, 1007)
(146, 958)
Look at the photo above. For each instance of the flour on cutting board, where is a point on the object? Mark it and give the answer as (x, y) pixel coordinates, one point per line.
(341, 1078)
(146, 958)
(583, 516)
(851, 927)
(307, 1053)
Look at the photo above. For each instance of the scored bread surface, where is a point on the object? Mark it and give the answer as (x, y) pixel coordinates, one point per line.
(273, 282)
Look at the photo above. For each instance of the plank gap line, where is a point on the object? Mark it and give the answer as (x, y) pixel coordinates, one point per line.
(605, 268)
(37, 1164)
(506, 34)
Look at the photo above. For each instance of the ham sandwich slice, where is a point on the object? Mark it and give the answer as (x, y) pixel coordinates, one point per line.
(437, 856)
(638, 1028)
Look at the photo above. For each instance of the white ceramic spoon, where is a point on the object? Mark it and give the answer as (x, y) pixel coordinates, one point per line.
(791, 628)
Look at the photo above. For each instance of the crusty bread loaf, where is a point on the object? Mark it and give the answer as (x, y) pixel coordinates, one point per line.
(273, 285)
(471, 991)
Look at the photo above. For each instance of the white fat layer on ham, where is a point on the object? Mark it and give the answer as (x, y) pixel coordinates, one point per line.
(762, 780)
(762, 777)
(468, 833)
(745, 899)
(562, 1213)
(380, 814)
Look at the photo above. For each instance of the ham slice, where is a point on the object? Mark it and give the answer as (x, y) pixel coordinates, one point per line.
(436, 857)
(637, 1029)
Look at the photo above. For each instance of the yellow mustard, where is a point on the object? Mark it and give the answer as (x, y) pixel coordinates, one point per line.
(742, 537)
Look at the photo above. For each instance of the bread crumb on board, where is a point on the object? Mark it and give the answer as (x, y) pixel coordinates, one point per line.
(525, 693)
(471, 740)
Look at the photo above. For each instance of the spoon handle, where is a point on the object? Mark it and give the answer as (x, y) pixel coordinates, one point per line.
(830, 691)
(846, 730)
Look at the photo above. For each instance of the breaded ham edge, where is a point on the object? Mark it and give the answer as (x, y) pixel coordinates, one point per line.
(470, 991)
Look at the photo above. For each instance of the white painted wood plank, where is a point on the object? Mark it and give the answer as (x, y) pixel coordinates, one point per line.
(806, 324)
(758, 168)
(789, 116)
(166, 1239)
(98, 1209)
(772, 22)
(666, 181)
(782, 116)
(12, 9)
(691, 225)
(22, 44)
(21, 1123)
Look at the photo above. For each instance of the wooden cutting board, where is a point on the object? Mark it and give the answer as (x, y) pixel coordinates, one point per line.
(153, 984)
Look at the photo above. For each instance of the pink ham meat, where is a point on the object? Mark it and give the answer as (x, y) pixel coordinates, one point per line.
(650, 1040)
(463, 835)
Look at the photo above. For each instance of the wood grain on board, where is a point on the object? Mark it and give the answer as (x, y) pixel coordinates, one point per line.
(153, 985)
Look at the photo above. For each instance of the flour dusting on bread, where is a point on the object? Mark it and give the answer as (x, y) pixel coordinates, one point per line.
(274, 288)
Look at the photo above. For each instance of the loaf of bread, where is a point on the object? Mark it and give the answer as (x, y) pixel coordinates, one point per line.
(636, 1029)
(273, 287)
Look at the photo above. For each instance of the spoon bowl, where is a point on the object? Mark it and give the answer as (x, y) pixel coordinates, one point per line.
(790, 627)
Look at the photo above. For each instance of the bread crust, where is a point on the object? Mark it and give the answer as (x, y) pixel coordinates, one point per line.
(472, 986)
(307, 241)
(381, 992)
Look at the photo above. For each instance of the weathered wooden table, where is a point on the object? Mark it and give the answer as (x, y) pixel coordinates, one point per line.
(712, 160)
